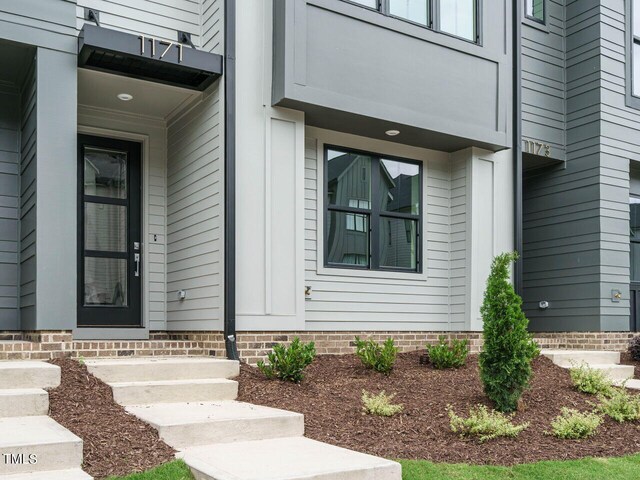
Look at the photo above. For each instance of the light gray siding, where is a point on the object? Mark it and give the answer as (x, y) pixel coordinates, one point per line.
(9, 205)
(49, 24)
(28, 195)
(194, 217)
(212, 26)
(157, 18)
(459, 261)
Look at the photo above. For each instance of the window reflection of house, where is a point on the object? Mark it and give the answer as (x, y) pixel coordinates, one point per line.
(393, 205)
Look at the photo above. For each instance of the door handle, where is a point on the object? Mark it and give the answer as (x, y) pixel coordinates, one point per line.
(136, 259)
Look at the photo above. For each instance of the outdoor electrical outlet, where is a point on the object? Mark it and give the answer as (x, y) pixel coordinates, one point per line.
(182, 294)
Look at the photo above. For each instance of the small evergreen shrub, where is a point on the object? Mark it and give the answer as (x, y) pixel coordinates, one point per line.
(484, 424)
(378, 357)
(634, 348)
(574, 425)
(589, 380)
(288, 363)
(445, 355)
(505, 360)
(379, 404)
(620, 405)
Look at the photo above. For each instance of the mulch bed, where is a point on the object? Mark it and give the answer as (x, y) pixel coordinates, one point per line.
(115, 443)
(329, 397)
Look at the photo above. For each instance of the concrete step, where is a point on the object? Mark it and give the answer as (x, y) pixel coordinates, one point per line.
(569, 358)
(23, 402)
(36, 444)
(632, 384)
(147, 369)
(173, 391)
(73, 474)
(615, 372)
(183, 425)
(296, 458)
(28, 374)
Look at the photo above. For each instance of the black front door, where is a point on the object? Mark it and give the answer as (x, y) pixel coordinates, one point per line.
(109, 241)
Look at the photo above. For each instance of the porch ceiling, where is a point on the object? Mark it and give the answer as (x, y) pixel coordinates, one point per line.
(101, 90)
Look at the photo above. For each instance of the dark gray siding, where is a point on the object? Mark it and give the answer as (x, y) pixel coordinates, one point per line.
(543, 79)
(28, 167)
(576, 218)
(9, 211)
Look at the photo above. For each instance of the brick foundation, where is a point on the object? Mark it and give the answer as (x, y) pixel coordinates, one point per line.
(253, 346)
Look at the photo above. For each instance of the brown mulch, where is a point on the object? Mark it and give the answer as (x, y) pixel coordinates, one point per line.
(625, 359)
(115, 443)
(329, 397)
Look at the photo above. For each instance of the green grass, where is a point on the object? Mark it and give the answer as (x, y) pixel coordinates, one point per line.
(177, 470)
(622, 468)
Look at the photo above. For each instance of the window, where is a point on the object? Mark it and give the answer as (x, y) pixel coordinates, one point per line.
(458, 17)
(534, 9)
(455, 17)
(373, 211)
(413, 10)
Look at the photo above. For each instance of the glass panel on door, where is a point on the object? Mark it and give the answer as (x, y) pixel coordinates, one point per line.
(109, 241)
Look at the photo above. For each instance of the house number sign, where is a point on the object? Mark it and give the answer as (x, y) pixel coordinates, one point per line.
(144, 40)
(536, 148)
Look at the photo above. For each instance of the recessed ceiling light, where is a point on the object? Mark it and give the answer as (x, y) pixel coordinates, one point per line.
(392, 133)
(125, 97)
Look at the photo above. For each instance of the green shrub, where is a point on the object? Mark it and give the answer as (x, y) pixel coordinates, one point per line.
(574, 425)
(505, 360)
(445, 355)
(620, 405)
(378, 357)
(484, 424)
(634, 348)
(590, 380)
(288, 363)
(379, 404)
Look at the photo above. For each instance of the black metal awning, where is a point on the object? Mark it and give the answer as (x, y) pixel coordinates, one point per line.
(147, 58)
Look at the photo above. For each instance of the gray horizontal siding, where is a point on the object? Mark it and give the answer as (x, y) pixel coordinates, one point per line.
(9, 206)
(543, 80)
(28, 195)
(157, 18)
(576, 247)
(49, 24)
(194, 218)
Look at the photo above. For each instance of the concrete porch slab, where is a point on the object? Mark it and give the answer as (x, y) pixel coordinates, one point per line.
(296, 458)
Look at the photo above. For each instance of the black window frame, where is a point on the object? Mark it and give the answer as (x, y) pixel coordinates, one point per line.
(632, 98)
(375, 214)
(533, 18)
(433, 20)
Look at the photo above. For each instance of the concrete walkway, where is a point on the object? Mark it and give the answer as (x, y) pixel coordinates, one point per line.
(32, 445)
(191, 402)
